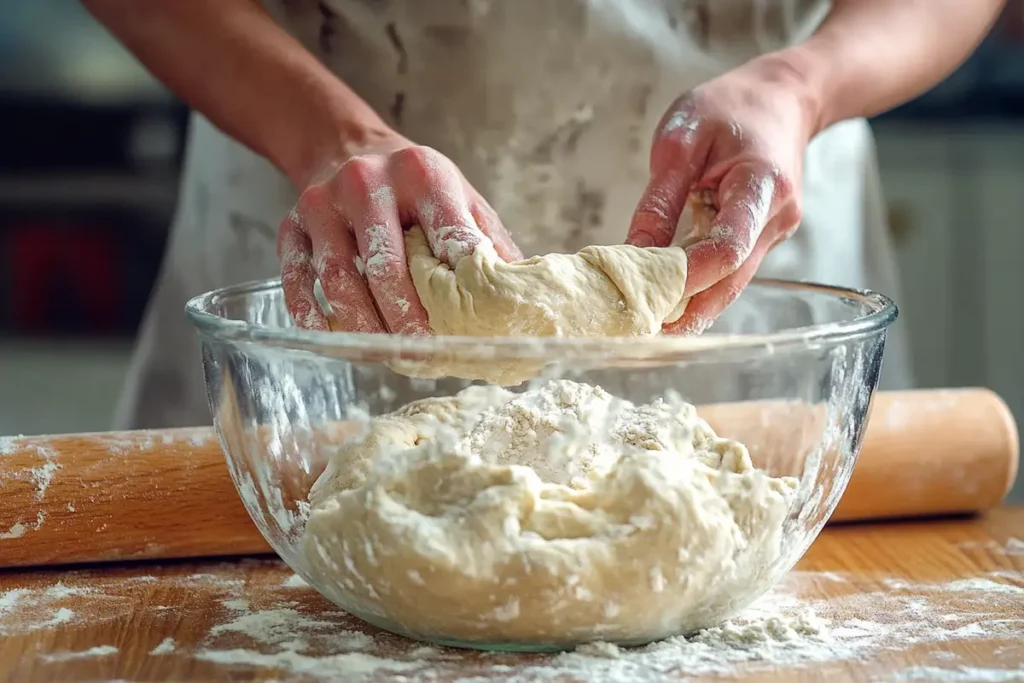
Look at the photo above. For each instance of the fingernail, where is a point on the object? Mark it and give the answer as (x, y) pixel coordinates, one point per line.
(642, 240)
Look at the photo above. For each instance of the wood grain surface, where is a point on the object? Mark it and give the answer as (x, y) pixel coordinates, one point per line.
(168, 494)
(910, 601)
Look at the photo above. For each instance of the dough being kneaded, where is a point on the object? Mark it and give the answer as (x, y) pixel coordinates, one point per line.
(601, 291)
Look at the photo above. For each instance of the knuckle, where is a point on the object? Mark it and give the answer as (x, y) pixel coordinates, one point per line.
(680, 117)
(671, 150)
(335, 267)
(416, 157)
(311, 201)
(786, 223)
(793, 216)
(422, 165)
(339, 281)
(356, 173)
(656, 206)
(785, 186)
(733, 254)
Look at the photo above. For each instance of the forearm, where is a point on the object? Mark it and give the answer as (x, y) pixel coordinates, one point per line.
(230, 61)
(871, 55)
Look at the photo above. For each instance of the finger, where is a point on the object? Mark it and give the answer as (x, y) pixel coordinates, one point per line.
(334, 262)
(431, 193)
(657, 213)
(745, 198)
(338, 265)
(298, 276)
(365, 192)
(488, 221)
(705, 307)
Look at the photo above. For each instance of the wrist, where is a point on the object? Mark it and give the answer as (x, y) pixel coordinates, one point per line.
(311, 147)
(794, 72)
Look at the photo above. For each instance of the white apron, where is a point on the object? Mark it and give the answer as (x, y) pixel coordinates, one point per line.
(548, 107)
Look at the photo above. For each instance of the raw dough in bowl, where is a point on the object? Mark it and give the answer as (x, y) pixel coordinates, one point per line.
(601, 291)
(552, 517)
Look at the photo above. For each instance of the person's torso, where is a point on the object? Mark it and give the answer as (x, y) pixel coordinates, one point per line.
(548, 107)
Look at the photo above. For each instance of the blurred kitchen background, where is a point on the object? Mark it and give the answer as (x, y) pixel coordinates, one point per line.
(89, 156)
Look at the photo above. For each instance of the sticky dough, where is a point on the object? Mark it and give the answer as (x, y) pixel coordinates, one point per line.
(601, 291)
(556, 516)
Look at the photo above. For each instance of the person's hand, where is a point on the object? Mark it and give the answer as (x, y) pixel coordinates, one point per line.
(737, 144)
(347, 231)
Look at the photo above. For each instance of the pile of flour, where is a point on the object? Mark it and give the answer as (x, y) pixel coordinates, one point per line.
(557, 516)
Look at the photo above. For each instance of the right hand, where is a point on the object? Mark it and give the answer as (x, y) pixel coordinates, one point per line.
(347, 231)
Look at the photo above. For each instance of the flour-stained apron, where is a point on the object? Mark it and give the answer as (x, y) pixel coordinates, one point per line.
(548, 107)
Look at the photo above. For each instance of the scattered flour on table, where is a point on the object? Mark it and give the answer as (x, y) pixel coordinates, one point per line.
(296, 633)
(87, 597)
(166, 647)
(967, 674)
(1014, 547)
(293, 636)
(99, 651)
(782, 629)
(295, 581)
(25, 610)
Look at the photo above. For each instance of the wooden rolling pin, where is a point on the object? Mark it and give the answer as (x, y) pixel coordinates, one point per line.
(167, 494)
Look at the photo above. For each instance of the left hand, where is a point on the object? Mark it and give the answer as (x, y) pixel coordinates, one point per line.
(738, 141)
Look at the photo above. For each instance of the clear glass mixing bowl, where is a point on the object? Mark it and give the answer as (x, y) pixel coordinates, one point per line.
(789, 370)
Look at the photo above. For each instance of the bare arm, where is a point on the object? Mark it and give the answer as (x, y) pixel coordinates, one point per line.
(229, 60)
(741, 138)
(359, 181)
(871, 55)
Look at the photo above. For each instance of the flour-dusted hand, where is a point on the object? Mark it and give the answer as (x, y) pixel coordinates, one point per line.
(739, 142)
(347, 231)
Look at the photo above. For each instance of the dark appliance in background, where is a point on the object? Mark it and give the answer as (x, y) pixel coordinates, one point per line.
(86, 196)
(90, 153)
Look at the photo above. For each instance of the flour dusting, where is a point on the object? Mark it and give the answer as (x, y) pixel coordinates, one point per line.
(967, 674)
(285, 629)
(165, 647)
(783, 629)
(99, 651)
(295, 581)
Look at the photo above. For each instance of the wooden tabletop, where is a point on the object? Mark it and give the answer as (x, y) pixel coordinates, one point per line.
(939, 600)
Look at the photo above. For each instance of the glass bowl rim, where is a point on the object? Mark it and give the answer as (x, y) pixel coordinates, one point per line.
(882, 313)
